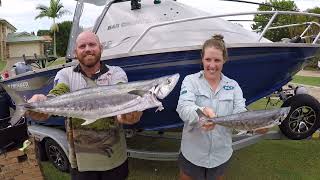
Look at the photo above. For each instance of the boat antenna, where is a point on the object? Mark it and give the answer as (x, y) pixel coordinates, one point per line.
(264, 4)
(136, 4)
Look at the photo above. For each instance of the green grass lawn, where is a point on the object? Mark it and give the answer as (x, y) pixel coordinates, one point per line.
(52, 173)
(277, 159)
(313, 81)
(268, 159)
(262, 104)
(2, 65)
(60, 60)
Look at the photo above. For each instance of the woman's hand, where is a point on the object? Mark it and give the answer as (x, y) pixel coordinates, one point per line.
(36, 115)
(129, 118)
(208, 125)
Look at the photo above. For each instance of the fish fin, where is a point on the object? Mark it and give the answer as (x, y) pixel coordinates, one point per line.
(90, 82)
(242, 132)
(18, 100)
(138, 92)
(202, 117)
(88, 121)
(196, 123)
(160, 108)
(16, 117)
(200, 113)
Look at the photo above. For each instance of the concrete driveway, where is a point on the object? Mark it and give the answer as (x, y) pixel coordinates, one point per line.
(11, 62)
(309, 73)
(313, 90)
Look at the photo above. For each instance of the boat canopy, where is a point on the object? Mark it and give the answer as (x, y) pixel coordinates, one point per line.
(169, 24)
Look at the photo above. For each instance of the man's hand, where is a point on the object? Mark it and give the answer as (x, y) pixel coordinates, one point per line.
(129, 118)
(262, 131)
(36, 115)
(207, 126)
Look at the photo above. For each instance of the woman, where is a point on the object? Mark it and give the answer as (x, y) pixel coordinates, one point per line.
(205, 147)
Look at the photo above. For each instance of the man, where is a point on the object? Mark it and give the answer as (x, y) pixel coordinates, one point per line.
(98, 150)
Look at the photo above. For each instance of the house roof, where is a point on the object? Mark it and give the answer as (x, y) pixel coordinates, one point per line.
(8, 24)
(23, 37)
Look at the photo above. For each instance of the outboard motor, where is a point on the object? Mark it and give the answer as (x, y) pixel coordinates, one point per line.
(21, 67)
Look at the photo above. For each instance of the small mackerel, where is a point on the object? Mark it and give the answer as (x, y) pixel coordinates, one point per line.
(249, 120)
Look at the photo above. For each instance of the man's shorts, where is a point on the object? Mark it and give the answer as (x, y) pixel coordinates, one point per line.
(119, 173)
(198, 172)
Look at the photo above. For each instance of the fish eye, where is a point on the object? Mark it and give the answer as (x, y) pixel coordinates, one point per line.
(168, 81)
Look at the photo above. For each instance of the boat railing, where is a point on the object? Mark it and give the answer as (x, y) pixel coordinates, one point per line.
(302, 36)
(266, 28)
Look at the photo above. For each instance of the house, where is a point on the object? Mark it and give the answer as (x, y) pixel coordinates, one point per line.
(15, 44)
(5, 29)
(24, 43)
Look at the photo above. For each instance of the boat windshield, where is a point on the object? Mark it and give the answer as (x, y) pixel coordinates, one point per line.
(85, 15)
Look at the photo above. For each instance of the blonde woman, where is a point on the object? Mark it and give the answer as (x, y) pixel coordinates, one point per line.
(205, 147)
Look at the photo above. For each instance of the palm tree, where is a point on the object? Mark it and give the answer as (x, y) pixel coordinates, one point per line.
(52, 12)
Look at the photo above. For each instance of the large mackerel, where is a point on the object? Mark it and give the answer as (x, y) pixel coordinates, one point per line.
(249, 120)
(95, 102)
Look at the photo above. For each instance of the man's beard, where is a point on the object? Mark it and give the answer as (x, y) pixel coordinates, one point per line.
(92, 64)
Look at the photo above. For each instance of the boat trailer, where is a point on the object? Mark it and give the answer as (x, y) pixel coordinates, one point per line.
(239, 141)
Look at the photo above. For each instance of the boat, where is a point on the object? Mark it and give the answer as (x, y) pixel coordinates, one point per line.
(157, 38)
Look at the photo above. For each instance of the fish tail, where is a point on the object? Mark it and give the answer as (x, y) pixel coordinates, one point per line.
(88, 121)
(200, 113)
(20, 111)
(18, 100)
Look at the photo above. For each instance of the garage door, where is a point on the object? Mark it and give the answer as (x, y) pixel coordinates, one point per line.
(17, 50)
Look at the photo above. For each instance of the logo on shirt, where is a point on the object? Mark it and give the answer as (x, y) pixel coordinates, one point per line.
(228, 87)
(183, 92)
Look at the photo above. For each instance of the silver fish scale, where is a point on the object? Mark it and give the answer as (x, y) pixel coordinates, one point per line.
(103, 107)
(248, 124)
(111, 89)
(90, 104)
(252, 120)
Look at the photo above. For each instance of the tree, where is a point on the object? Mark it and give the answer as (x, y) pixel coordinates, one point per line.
(63, 37)
(52, 12)
(261, 20)
(315, 10)
(44, 32)
(276, 35)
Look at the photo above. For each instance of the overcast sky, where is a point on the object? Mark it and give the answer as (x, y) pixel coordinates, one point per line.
(21, 13)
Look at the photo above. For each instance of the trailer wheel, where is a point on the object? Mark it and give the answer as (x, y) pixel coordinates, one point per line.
(56, 155)
(303, 119)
